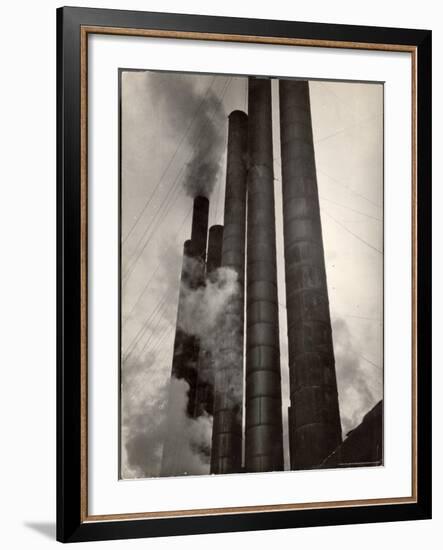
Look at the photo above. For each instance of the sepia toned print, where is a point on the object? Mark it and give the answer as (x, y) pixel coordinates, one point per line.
(251, 274)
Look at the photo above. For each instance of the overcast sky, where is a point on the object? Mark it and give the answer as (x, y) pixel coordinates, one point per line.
(166, 119)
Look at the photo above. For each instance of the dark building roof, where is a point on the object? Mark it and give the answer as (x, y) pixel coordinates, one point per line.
(363, 445)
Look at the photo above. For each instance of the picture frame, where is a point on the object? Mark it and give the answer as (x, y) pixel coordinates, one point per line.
(74, 27)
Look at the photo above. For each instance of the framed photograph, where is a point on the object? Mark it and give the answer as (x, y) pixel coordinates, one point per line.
(244, 274)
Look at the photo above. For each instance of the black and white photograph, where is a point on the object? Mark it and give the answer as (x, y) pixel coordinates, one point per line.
(251, 263)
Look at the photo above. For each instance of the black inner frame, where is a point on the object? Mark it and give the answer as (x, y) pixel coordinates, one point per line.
(69, 525)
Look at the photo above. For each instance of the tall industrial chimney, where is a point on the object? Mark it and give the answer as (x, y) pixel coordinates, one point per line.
(226, 455)
(199, 234)
(264, 432)
(314, 418)
(204, 398)
(193, 277)
(186, 346)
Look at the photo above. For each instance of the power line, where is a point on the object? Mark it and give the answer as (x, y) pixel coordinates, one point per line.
(170, 161)
(142, 292)
(351, 209)
(369, 361)
(338, 317)
(338, 132)
(133, 344)
(160, 318)
(165, 206)
(363, 318)
(160, 338)
(325, 86)
(322, 84)
(156, 270)
(352, 233)
(157, 310)
(173, 189)
(341, 204)
(166, 333)
(350, 189)
(168, 202)
(145, 326)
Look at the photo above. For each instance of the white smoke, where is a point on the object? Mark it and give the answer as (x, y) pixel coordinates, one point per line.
(356, 397)
(202, 307)
(190, 436)
(155, 406)
(209, 313)
(144, 383)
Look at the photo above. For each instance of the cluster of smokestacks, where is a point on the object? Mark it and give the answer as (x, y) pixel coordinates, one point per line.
(247, 243)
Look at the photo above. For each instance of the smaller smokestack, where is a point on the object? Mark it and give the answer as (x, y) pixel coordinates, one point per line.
(180, 347)
(204, 395)
(185, 273)
(215, 242)
(199, 232)
(226, 452)
(186, 346)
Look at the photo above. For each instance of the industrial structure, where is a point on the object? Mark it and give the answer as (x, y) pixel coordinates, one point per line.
(249, 353)
(314, 418)
(363, 445)
(186, 346)
(204, 385)
(226, 455)
(264, 426)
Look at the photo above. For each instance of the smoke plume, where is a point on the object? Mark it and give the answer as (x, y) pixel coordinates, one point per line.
(202, 307)
(156, 404)
(153, 406)
(207, 312)
(199, 116)
(144, 386)
(355, 396)
(191, 435)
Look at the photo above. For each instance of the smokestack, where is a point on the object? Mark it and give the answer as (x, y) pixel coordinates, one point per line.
(215, 242)
(204, 397)
(193, 272)
(314, 418)
(199, 233)
(264, 432)
(226, 455)
(186, 346)
(183, 343)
